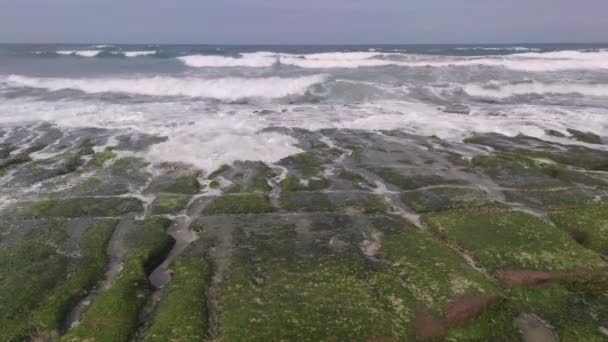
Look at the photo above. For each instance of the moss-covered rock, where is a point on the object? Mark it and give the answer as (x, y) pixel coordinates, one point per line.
(406, 181)
(306, 201)
(182, 312)
(588, 226)
(240, 204)
(501, 239)
(282, 296)
(39, 283)
(113, 315)
(307, 163)
(439, 199)
(560, 198)
(292, 183)
(188, 185)
(101, 158)
(169, 204)
(84, 207)
(222, 169)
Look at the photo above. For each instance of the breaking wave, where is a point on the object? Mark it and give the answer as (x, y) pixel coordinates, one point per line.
(232, 88)
(528, 61)
(81, 53)
(99, 53)
(509, 90)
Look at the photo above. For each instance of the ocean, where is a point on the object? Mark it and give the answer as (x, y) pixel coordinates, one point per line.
(215, 104)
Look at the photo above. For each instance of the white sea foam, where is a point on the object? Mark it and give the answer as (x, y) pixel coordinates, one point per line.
(211, 143)
(219, 88)
(81, 53)
(529, 61)
(496, 48)
(138, 53)
(208, 135)
(95, 53)
(252, 61)
(509, 90)
(266, 59)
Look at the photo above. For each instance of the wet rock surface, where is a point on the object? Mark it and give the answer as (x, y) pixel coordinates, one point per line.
(364, 236)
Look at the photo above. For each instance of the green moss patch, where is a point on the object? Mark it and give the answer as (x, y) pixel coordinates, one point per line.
(169, 204)
(307, 163)
(439, 199)
(292, 183)
(515, 171)
(501, 239)
(214, 184)
(240, 204)
(95, 186)
(113, 315)
(258, 179)
(358, 181)
(492, 324)
(82, 276)
(85, 207)
(588, 226)
(324, 297)
(188, 185)
(435, 274)
(552, 199)
(575, 316)
(222, 169)
(182, 312)
(130, 169)
(249, 177)
(29, 271)
(411, 182)
(39, 284)
(306, 201)
(101, 158)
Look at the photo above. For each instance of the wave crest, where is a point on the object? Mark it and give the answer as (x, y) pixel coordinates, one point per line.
(98, 53)
(232, 88)
(528, 61)
(528, 88)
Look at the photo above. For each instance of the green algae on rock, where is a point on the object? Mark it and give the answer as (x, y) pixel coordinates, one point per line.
(40, 282)
(240, 204)
(182, 312)
(85, 207)
(293, 183)
(169, 204)
(502, 239)
(588, 226)
(113, 315)
(446, 198)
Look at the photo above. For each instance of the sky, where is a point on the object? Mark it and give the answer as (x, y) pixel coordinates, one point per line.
(303, 21)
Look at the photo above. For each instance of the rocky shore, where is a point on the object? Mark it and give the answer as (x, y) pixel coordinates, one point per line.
(364, 236)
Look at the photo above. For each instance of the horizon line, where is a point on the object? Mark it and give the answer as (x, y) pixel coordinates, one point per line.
(305, 44)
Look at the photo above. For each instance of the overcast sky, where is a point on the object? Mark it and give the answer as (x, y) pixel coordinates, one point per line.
(303, 21)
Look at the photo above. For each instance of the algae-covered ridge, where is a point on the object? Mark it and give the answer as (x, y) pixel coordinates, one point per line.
(363, 236)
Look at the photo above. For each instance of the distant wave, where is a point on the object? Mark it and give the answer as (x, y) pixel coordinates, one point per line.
(102, 46)
(138, 53)
(250, 60)
(496, 48)
(98, 53)
(81, 53)
(221, 88)
(528, 61)
(311, 61)
(509, 90)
